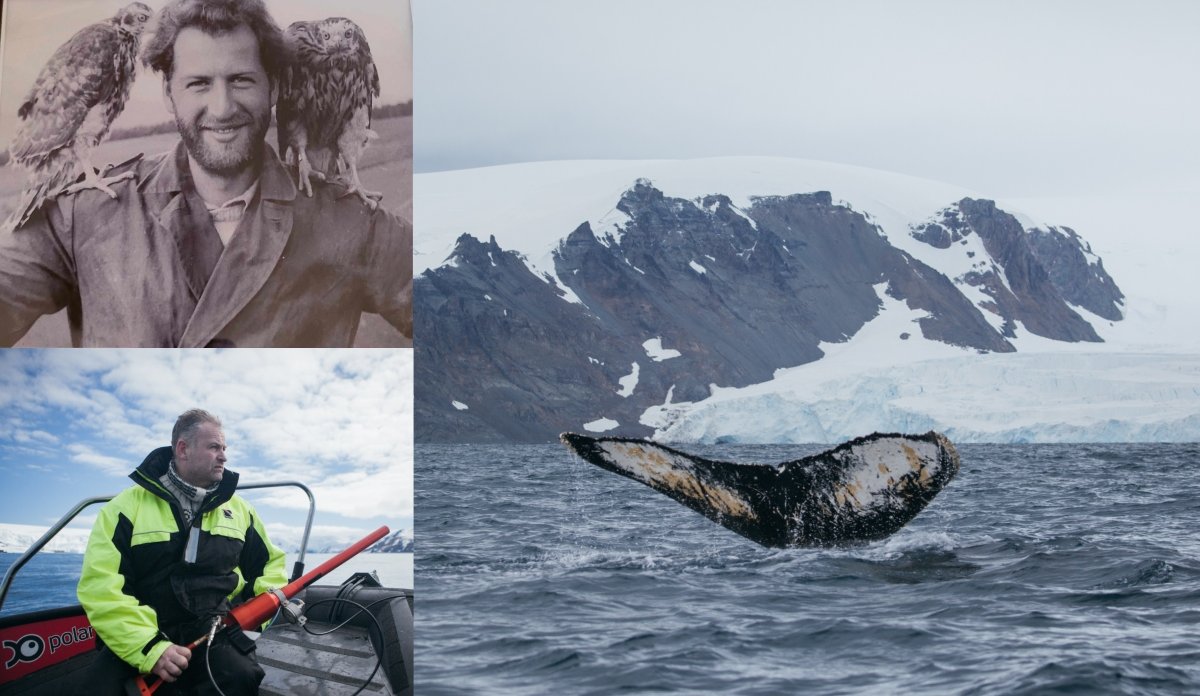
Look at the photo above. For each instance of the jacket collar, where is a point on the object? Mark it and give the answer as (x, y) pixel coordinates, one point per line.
(154, 467)
(221, 281)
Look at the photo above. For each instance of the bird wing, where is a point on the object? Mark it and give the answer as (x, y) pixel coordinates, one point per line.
(82, 73)
(295, 100)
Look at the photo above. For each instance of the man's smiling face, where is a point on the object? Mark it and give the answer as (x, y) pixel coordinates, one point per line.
(220, 96)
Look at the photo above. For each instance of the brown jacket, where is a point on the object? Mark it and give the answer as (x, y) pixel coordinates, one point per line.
(149, 270)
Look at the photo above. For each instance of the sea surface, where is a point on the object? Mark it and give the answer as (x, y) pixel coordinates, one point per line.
(48, 580)
(1041, 569)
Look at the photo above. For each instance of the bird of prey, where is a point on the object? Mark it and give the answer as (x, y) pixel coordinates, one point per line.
(325, 99)
(70, 107)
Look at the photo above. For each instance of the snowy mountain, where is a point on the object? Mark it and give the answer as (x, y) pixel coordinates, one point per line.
(396, 542)
(760, 300)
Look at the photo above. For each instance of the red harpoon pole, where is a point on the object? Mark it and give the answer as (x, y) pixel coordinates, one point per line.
(249, 615)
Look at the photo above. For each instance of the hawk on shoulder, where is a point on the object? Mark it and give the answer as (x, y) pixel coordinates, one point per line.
(68, 111)
(325, 99)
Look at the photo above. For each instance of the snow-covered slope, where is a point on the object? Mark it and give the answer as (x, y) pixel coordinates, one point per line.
(1140, 383)
(1052, 395)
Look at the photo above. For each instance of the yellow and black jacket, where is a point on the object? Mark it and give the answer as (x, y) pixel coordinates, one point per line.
(139, 593)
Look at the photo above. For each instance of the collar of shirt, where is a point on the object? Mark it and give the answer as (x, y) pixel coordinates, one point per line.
(226, 216)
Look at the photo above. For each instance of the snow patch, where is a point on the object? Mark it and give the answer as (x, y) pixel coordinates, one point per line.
(654, 349)
(601, 425)
(609, 228)
(629, 382)
(662, 416)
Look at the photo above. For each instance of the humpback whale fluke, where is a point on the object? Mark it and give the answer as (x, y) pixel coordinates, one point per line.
(862, 490)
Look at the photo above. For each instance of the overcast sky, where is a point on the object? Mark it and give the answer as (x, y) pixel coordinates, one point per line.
(75, 423)
(1010, 98)
(34, 29)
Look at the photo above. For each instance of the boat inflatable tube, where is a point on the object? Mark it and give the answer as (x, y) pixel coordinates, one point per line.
(391, 607)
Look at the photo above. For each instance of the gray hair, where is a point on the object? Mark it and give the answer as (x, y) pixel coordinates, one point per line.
(187, 423)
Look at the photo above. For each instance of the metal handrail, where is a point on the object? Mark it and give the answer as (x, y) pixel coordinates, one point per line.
(11, 573)
(298, 567)
(37, 545)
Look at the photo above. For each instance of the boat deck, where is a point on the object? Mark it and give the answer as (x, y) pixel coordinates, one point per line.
(300, 664)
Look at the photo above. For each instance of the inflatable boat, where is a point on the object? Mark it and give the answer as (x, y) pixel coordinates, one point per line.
(355, 638)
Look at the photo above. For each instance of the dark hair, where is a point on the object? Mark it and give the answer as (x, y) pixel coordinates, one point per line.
(215, 17)
(187, 423)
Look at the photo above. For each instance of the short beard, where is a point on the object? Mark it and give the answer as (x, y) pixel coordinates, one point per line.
(224, 163)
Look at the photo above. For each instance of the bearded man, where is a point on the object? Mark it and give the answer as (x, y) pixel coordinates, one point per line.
(210, 244)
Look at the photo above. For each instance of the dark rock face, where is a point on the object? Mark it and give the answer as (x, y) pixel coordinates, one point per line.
(1082, 281)
(739, 293)
(1016, 279)
(504, 344)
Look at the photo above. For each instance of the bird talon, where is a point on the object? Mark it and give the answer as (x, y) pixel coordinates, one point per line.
(370, 198)
(304, 174)
(99, 183)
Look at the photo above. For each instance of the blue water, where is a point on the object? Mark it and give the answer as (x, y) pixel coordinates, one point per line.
(1041, 569)
(48, 580)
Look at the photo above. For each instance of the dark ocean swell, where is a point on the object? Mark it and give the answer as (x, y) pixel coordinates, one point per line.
(1042, 569)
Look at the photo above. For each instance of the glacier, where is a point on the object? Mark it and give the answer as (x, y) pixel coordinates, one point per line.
(998, 398)
(886, 378)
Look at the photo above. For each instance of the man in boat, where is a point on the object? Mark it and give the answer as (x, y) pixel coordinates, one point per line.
(165, 557)
(210, 244)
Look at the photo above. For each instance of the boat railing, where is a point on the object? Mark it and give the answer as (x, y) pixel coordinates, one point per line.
(37, 546)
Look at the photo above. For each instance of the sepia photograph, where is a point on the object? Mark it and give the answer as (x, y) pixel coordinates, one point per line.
(206, 173)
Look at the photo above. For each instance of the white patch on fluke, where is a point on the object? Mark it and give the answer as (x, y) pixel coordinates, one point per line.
(882, 463)
(663, 469)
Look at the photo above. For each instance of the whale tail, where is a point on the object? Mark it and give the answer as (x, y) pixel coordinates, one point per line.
(862, 490)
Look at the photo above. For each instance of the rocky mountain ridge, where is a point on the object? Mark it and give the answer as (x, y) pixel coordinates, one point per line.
(670, 296)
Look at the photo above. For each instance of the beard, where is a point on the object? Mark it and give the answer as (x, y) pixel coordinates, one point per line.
(225, 159)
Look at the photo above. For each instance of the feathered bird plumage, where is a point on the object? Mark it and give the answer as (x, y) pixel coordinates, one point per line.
(77, 95)
(325, 100)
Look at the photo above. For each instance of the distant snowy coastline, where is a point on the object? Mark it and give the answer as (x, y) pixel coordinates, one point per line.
(17, 538)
